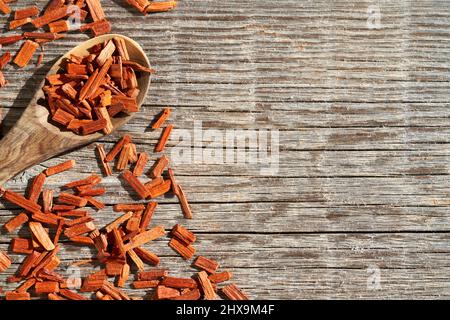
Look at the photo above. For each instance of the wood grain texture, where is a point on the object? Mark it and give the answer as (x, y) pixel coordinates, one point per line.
(364, 141)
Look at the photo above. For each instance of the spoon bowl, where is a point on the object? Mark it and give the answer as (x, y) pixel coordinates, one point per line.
(34, 139)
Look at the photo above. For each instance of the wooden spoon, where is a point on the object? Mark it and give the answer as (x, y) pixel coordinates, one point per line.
(34, 139)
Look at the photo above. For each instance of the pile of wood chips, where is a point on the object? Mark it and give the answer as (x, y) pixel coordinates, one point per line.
(56, 20)
(119, 245)
(89, 91)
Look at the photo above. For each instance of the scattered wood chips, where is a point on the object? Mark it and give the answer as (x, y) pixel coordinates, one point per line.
(57, 217)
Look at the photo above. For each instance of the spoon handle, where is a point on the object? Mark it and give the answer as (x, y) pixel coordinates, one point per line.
(33, 140)
(25, 145)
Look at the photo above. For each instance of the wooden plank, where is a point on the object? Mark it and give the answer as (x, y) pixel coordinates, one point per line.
(364, 141)
(327, 265)
(398, 191)
(284, 217)
(291, 116)
(432, 160)
(304, 59)
(376, 138)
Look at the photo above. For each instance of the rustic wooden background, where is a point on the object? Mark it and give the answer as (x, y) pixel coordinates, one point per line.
(363, 113)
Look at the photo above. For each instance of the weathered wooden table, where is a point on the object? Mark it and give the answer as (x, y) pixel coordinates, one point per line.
(359, 93)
